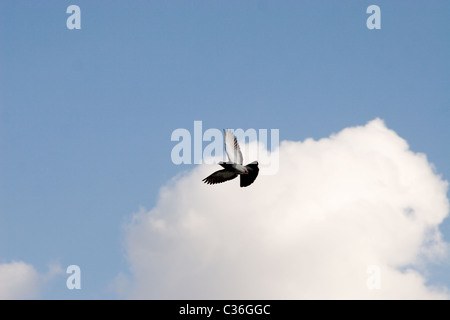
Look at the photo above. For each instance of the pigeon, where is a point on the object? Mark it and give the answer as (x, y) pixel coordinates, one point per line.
(234, 167)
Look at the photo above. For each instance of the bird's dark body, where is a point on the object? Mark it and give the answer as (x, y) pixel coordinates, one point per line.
(229, 172)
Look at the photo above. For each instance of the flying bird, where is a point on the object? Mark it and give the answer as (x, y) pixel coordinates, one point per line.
(234, 167)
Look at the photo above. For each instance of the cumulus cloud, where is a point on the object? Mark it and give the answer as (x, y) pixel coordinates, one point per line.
(354, 215)
(18, 280)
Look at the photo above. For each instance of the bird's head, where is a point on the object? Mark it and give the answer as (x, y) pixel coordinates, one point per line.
(246, 171)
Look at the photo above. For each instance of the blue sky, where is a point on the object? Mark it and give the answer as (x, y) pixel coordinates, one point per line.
(86, 115)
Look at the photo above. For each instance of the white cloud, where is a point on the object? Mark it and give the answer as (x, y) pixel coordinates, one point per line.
(336, 206)
(18, 280)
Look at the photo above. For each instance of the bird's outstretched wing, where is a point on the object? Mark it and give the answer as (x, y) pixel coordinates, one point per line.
(232, 148)
(253, 170)
(220, 176)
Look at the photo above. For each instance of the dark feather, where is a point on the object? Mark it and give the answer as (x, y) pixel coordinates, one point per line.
(220, 176)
